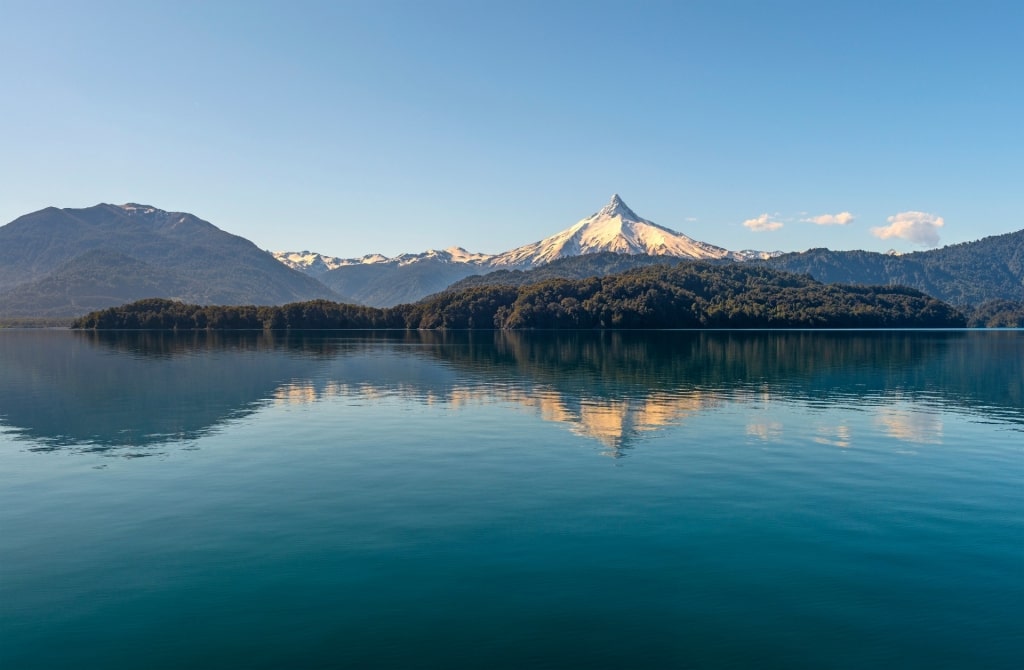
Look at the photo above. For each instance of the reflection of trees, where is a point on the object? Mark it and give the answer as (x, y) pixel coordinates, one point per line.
(983, 367)
(121, 389)
(130, 389)
(614, 386)
(974, 371)
(617, 362)
(157, 343)
(93, 391)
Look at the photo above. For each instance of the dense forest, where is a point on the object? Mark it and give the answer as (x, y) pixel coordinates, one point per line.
(696, 295)
(570, 267)
(997, 314)
(969, 273)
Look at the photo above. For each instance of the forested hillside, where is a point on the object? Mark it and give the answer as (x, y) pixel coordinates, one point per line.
(573, 267)
(696, 295)
(997, 314)
(962, 274)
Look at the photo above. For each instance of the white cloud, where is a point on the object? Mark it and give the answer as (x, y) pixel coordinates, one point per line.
(917, 227)
(840, 219)
(762, 224)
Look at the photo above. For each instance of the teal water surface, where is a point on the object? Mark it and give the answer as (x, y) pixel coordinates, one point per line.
(504, 500)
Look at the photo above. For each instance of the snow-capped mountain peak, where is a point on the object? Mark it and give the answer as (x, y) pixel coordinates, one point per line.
(615, 227)
(616, 207)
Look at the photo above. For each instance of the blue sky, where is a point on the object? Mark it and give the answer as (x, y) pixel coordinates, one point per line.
(383, 126)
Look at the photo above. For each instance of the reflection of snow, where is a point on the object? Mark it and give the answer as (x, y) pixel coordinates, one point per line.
(836, 436)
(611, 422)
(295, 394)
(306, 392)
(768, 432)
(910, 426)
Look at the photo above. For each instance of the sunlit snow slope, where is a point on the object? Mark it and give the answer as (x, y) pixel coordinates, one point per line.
(614, 228)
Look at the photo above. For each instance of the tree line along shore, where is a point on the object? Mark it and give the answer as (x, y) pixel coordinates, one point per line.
(693, 295)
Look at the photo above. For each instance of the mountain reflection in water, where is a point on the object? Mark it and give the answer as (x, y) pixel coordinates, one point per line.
(130, 393)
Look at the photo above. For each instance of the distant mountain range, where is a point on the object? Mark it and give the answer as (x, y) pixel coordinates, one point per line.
(382, 282)
(67, 262)
(615, 228)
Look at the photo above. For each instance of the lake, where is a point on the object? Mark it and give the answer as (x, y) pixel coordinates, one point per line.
(512, 500)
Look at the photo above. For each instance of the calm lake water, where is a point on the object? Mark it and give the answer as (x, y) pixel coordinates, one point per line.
(496, 500)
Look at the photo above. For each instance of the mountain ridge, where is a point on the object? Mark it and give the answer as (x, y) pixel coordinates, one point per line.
(967, 273)
(162, 253)
(62, 262)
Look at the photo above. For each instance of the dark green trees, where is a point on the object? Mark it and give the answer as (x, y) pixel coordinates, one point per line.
(695, 295)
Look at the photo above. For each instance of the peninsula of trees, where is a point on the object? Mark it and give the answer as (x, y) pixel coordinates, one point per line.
(695, 295)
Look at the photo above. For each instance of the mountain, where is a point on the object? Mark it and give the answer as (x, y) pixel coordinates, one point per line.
(393, 283)
(963, 274)
(383, 282)
(65, 262)
(615, 228)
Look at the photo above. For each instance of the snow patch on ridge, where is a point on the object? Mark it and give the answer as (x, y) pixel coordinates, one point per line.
(135, 208)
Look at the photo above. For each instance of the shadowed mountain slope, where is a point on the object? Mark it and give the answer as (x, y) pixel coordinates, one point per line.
(64, 262)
